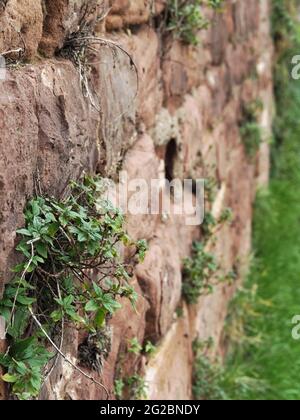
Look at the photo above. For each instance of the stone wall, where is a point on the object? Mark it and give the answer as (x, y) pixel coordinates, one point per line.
(52, 130)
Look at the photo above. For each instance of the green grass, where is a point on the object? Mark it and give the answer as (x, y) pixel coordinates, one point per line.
(271, 369)
(276, 271)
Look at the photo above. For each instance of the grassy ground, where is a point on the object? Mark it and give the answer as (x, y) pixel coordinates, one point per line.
(263, 359)
(271, 370)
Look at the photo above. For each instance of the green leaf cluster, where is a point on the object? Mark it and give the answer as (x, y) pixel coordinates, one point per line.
(185, 18)
(72, 271)
(250, 130)
(197, 273)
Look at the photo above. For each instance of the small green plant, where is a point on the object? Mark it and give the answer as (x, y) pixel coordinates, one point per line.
(197, 273)
(240, 331)
(230, 277)
(207, 382)
(119, 388)
(23, 363)
(211, 187)
(211, 224)
(132, 387)
(72, 272)
(185, 18)
(179, 311)
(226, 216)
(134, 346)
(137, 387)
(149, 348)
(208, 374)
(208, 225)
(215, 4)
(215, 381)
(250, 131)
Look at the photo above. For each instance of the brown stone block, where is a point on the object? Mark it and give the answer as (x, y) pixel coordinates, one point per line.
(48, 136)
(144, 47)
(132, 12)
(168, 374)
(21, 23)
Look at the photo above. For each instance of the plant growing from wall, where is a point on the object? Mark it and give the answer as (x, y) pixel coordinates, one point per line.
(214, 380)
(133, 387)
(135, 346)
(240, 331)
(250, 130)
(211, 225)
(199, 269)
(208, 374)
(197, 273)
(149, 348)
(72, 273)
(185, 18)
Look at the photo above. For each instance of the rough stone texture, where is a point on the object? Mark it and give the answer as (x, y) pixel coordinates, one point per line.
(50, 133)
(44, 142)
(113, 76)
(63, 18)
(132, 12)
(183, 121)
(141, 163)
(169, 372)
(21, 23)
(147, 60)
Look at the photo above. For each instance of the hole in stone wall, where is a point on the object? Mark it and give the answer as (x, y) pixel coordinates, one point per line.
(170, 156)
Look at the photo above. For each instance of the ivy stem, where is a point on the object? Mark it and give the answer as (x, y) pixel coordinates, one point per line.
(64, 356)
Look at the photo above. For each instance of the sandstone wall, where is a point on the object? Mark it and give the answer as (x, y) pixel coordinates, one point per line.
(52, 129)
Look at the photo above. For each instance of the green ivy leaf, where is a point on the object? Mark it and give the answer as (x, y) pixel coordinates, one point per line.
(24, 232)
(91, 306)
(42, 249)
(9, 378)
(100, 318)
(24, 300)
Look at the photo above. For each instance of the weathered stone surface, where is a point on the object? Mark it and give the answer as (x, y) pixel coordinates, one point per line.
(65, 17)
(240, 181)
(246, 17)
(44, 142)
(132, 12)
(182, 121)
(144, 47)
(219, 37)
(208, 315)
(160, 279)
(112, 93)
(168, 374)
(21, 23)
(263, 162)
(182, 68)
(141, 164)
(159, 275)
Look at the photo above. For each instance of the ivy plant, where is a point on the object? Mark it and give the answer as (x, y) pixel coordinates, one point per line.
(72, 272)
(185, 18)
(133, 387)
(208, 374)
(197, 273)
(250, 130)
